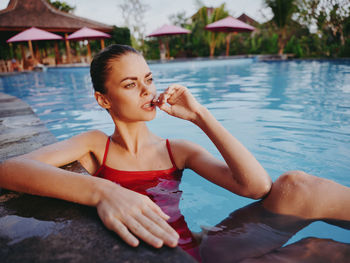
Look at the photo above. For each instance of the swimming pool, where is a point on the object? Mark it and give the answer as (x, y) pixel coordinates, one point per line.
(290, 115)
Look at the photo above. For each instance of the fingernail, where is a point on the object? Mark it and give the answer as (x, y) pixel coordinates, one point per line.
(135, 243)
(159, 244)
(174, 242)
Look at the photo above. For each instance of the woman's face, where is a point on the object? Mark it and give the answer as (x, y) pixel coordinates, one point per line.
(130, 89)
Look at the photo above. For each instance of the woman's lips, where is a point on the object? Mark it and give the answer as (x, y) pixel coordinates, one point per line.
(149, 106)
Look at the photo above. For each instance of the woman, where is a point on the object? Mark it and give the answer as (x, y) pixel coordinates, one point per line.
(137, 163)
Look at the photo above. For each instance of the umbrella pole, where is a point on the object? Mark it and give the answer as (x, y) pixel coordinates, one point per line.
(161, 49)
(57, 54)
(31, 48)
(102, 43)
(67, 48)
(228, 39)
(37, 52)
(167, 49)
(89, 51)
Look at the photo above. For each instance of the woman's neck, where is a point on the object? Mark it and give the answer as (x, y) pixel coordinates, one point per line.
(131, 136)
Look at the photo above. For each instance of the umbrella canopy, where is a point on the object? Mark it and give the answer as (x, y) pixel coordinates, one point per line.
(87, 33)
(33, 33)
(167, 30)
(229, 24)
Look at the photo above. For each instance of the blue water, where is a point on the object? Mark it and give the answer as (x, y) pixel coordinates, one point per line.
(290, 115)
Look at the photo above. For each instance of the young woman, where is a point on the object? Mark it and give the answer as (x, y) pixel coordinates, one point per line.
(143, 171)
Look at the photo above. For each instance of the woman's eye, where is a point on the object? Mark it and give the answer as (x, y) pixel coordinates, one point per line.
(150, 80)
(130, 85)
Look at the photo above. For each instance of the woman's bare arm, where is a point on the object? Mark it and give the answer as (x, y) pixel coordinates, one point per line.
(242, 173)
(121, 210)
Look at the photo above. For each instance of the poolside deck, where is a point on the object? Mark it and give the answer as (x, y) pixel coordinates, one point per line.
(39, 229)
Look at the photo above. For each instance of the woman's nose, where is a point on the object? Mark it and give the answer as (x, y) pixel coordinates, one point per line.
(146, 89)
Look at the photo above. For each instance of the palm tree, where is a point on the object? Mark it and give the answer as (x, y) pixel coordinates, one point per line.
(282, 16)
(206, 16)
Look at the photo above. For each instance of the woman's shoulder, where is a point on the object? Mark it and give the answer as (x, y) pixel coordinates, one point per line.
(181, 144)
(93, 134)
(93, 139)
(182, 150)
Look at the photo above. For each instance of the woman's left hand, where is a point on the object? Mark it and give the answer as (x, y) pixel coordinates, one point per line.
(177, 101)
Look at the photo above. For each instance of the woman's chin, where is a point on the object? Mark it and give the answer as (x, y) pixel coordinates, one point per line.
(150, 115)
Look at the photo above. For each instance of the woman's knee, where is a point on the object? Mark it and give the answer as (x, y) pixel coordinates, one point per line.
(289, 192)
(292, 182)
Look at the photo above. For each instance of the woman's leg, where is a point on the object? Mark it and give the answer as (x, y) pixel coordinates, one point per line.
(308, 250)
(248, 232)
(300, 194)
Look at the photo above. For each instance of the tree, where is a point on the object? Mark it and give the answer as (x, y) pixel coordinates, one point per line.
(62, 6)
(326, 15)
(206, 16)
(133, 12)
(179, 19)
(282, 17)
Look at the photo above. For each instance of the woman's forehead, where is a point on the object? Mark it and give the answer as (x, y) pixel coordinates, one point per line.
(130, 64)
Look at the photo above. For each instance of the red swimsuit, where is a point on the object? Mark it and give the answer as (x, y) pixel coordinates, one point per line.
(162, 186)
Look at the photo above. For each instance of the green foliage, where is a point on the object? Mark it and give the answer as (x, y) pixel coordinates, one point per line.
(133, 12)
(282, 11)
(5, 51)
(151, 49)
(204, 17)
(288, 31)
(120, 35)
(282, 18)
(62, 6)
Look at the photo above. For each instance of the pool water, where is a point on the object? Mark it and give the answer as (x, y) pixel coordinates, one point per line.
(290, 115)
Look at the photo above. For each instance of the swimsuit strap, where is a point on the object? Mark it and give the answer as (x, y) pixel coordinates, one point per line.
(170, 153)
(106, 150)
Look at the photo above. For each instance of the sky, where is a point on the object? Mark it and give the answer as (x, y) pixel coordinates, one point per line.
(158, 12)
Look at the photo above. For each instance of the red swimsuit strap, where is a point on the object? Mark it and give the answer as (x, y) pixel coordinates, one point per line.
(170, 153)
(106, 150)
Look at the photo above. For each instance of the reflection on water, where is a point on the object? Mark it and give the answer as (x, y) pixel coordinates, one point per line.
(290, 115)
(253, 234)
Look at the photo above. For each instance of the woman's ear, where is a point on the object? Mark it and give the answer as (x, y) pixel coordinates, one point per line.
(102, 100)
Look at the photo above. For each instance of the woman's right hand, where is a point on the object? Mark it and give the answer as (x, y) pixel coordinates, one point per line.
(178, 101)
(131, 214)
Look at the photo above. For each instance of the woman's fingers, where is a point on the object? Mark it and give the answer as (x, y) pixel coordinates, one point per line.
(139, 230)
(138, 216)
(158, 210)
(160, 228)
(156, 230)
(167, 95)
(118, 227)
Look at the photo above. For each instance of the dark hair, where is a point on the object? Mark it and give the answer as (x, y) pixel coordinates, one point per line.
(101, 66)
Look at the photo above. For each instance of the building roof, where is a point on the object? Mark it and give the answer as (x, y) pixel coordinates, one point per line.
(22, 14)
(248, 20)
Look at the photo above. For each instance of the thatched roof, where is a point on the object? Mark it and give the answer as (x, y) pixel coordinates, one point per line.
(248, 20)
(22, 14)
